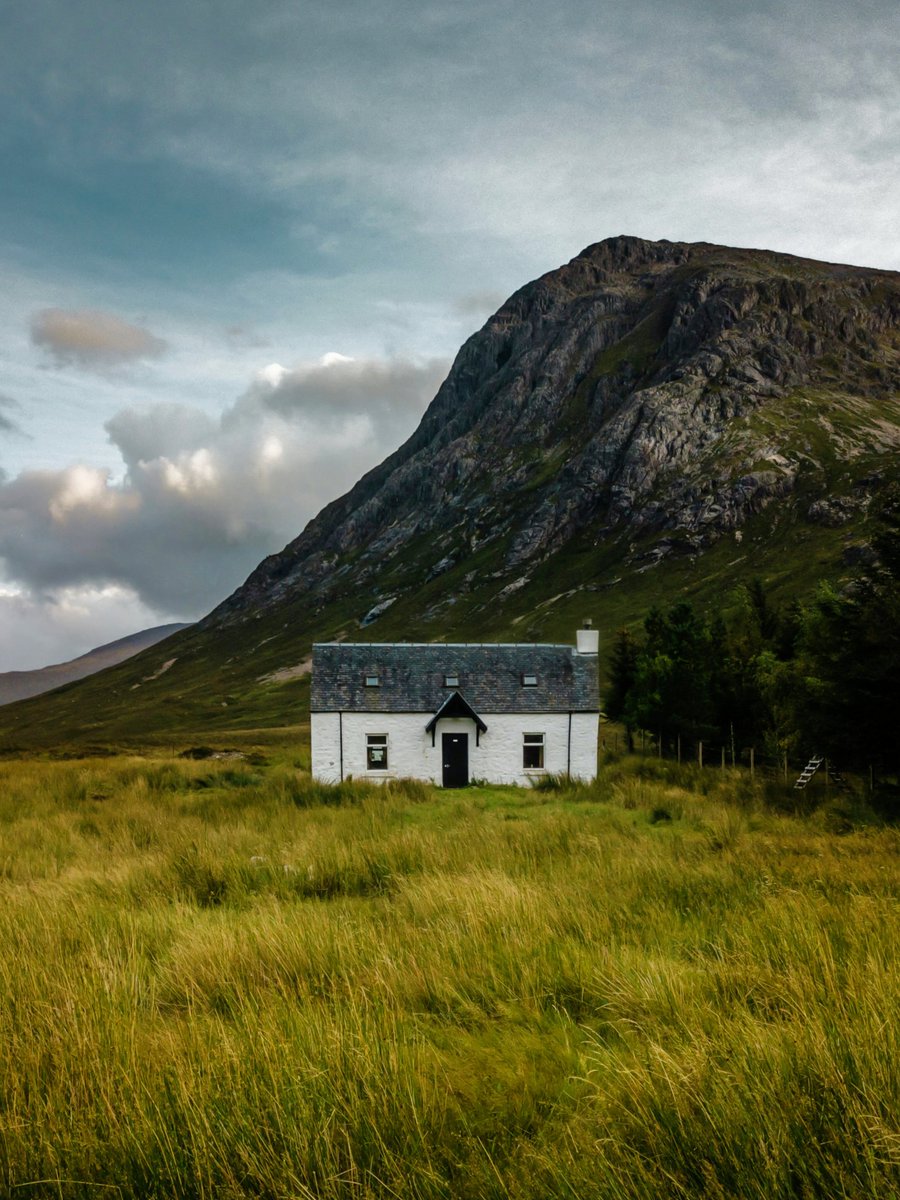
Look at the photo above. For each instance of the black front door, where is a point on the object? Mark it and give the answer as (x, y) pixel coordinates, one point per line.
(455, 747)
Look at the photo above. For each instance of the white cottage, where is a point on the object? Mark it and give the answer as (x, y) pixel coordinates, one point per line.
(453, 713)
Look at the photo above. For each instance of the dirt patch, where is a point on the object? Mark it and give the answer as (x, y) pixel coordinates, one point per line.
(163, 669)
(283, 674)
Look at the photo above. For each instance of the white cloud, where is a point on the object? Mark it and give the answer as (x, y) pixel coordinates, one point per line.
(94, 340)
(38, 630)
(272, 374)
(161, 431)
(203, 501)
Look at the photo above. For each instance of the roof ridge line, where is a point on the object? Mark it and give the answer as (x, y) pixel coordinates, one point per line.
(452, 645)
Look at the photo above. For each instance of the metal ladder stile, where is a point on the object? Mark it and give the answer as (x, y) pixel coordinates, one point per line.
(808, 771)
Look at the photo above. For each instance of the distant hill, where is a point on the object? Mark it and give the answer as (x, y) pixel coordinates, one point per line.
(18, 685)
(650, 422)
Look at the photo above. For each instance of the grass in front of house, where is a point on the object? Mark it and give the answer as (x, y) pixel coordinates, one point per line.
(220, 978)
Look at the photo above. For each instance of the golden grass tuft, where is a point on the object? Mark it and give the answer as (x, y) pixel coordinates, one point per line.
(223, 980)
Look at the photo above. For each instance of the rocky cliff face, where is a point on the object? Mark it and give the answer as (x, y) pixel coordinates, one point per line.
(656, 394)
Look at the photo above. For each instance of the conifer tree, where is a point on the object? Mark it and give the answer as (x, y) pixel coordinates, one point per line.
(850, 645)
(622, 676)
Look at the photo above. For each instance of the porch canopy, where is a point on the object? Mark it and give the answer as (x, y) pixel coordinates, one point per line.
(456, 705)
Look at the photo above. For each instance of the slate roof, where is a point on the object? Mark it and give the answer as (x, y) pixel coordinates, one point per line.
(412, 674)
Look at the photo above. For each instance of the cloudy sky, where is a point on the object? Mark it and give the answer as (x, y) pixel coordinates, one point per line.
(240, 243)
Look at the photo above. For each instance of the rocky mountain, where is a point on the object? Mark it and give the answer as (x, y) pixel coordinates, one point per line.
(17, 685)
(651, 420)
(644, 390)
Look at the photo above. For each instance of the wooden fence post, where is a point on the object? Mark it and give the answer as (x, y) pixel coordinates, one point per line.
(752, 761)
(700, 753)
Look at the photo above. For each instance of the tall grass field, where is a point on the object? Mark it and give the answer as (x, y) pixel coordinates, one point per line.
(219, 980)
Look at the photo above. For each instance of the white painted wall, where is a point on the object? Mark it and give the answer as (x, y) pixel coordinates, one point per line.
(497, 759)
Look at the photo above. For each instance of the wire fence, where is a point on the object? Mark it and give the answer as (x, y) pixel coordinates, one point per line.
(790, 770)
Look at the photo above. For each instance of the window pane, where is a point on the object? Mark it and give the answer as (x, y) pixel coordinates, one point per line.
(533, 757)
(451, 681)
(529, 681)
(376, 752)
(533, 751)
(372, 681)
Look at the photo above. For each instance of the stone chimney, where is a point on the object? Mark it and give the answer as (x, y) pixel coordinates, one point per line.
(587, 639)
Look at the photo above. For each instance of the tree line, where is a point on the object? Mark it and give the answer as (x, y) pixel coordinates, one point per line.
(818, 676)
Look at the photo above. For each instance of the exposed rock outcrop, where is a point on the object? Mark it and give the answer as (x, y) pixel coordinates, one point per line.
(647, 389)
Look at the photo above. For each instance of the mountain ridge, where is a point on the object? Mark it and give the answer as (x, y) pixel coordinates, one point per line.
(19, 685)
(650, 421)
(691, 321)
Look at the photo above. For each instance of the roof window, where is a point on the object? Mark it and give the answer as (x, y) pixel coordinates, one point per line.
(373, 680)
(451, 681)
(529, 680)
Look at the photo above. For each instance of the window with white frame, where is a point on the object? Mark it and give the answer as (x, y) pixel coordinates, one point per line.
(533, 752)
(529, 680)
(376, 752)
(372, 680)
(451, 680)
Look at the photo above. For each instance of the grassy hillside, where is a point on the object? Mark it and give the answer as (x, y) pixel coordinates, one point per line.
(207, 682)
(218, 979)
(16, 685)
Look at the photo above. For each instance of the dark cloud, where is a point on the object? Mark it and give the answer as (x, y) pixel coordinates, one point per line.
(84, 338)
(383, 391)
(508, 127)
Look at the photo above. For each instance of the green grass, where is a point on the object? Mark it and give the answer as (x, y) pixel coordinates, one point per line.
(218, 978)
